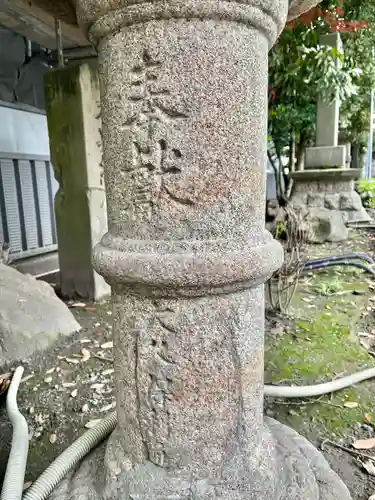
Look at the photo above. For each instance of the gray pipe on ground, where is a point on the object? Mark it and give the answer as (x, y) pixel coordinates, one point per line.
(15, 472)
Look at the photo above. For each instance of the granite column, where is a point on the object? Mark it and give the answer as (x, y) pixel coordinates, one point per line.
(184, 110)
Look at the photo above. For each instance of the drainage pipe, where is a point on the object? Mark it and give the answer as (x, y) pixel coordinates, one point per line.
(15, 472)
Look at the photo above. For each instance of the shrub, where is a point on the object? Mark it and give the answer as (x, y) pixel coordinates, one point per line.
(366, 189)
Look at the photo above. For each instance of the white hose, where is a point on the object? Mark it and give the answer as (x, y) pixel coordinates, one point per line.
(305, 391)
(15, 472)
(53, 475)
(45, 484)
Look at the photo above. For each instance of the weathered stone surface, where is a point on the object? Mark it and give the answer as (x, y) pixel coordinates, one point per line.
(327, 225)
(315, 200)
(31, 316)
(350, 201)
(325, 156)
(328, 198)
(327, 175)
(297, 7)
(73, 112)
(302, 473)
(184, 146)
(332, 201)
(327, 112)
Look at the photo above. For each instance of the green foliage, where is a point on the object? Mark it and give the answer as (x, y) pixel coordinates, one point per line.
(301, 70)
(366, 189)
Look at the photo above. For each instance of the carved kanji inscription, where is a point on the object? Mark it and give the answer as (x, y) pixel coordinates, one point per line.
(153, 157)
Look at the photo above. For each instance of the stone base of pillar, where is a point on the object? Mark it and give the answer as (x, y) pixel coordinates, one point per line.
(289, 468)
(327, 200)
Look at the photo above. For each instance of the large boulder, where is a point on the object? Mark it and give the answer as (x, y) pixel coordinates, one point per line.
(32, 317)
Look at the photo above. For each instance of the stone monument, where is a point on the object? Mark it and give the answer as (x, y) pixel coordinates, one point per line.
(73, 113)
(184, 93)
(324, 191)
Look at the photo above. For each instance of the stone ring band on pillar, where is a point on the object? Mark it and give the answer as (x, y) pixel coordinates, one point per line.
(265, 20)
(208, 268)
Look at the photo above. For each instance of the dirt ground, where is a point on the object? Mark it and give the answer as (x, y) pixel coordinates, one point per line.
(71, 385)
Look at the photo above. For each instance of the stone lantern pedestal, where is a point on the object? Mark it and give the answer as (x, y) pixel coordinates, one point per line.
(184, 111)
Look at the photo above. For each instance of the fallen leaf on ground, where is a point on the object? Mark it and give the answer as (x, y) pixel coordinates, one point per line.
(51, 370)
(48, 380)
(108, 407)
(278, 330)
(28, 377)
(90, 308)
(68, 384)
(365, 342)
(92, 423)
(351, 404)
(369, 467)
(72, 361)
(97, 387)
(364, 444)
(85, 341)
(85, 408)
(85, 355)
(78, 304)
(109, 371)
(74, 393)
(107, 345)
(367, 418)
(52, 439)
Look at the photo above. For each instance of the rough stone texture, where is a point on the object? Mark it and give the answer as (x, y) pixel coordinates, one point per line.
(327, 113)
(327, 225)
(327, 199)
(297, 7)
(184, 92)
(31, 316)
(73, 113)
(327, 156)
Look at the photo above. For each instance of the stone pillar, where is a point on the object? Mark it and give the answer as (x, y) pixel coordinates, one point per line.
(184, 109)
(327, 152)
(327, 119)
(73, 112)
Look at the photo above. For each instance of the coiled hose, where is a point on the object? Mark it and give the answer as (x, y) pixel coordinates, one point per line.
(15, 472)
(52, 476)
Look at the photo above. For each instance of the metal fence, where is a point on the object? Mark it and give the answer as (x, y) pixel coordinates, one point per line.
(27, 217)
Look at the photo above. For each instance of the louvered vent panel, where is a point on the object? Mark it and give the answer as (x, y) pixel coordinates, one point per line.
(28, 203)
(44, 203)
(11, 205)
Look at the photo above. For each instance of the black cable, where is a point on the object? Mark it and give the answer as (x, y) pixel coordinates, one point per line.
(350, 256)
(324, 264)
